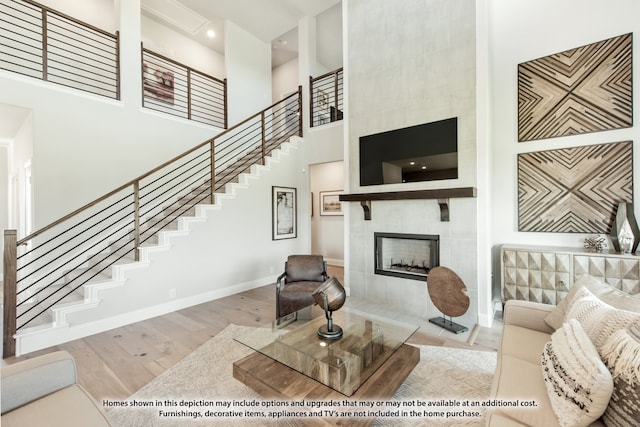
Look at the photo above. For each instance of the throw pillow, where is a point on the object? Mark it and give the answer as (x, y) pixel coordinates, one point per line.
(605, 292)
(578, 383)
(622, 357)
(598, 319)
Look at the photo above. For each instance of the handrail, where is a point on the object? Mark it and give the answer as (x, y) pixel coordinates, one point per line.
(177, 89)
(180, 64)
(67, 17)
(53, 263)
(326, 98)
(40, 42)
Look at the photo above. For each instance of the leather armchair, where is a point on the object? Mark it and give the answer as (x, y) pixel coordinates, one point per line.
(302, 276)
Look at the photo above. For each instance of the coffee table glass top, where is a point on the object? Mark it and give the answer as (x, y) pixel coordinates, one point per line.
(343, 364)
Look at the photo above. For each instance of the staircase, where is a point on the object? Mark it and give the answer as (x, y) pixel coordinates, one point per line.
(142, 218)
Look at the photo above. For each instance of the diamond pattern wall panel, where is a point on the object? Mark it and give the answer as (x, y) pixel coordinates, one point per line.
(581, 90)
(574, 190)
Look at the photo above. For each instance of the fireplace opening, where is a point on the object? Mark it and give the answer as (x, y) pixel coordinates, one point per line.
(410, 256)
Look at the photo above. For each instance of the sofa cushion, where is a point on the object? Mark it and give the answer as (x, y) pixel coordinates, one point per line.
(598, 319)
(296, 296)
(578, 383)
(523, 343)
(621, 354)
(605, 292)
(522, 380)
(71, 406)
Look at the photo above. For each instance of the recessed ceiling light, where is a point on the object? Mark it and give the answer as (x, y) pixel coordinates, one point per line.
(412, 163)
(211, 34)
(424, 167)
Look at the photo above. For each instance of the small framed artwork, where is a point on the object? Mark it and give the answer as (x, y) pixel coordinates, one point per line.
(330, 203)
(158, 83)
(284, 213)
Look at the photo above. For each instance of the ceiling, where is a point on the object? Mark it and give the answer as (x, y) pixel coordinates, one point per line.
(272, 21)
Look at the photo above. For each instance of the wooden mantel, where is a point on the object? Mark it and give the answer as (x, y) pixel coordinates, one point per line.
(442, 195)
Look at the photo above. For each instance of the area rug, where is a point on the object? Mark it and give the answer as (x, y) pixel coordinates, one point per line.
(200, 391)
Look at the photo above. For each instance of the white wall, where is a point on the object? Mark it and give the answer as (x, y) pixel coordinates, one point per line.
(522, 31)
(231, 251)
(248, 67)
(285, 79)
(99, 13)
(85, 146)
(327, 231)
(170, 43)
(21, 154)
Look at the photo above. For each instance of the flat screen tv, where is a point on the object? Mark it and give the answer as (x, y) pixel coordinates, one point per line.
(424, 152)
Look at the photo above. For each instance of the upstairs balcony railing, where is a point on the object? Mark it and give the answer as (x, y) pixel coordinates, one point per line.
(51, 265)
(40, 42)
(326, 98)
(179, 90)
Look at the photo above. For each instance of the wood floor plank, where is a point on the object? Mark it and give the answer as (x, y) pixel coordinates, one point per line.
(116, 363)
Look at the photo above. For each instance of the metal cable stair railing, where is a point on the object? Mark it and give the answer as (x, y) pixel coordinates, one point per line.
(326, 97)
(56, 265)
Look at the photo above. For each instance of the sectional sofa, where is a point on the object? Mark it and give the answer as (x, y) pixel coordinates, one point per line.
(574, 364)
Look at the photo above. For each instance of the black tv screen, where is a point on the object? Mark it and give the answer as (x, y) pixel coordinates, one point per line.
(424, 152)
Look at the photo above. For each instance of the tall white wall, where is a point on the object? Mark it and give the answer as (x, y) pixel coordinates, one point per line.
(522, 31)
(285, 79)
(248, 65)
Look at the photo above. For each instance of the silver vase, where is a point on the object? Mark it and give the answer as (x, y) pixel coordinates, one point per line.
(625, 234)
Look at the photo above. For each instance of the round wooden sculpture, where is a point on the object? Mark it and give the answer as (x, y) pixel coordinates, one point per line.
(448, 292)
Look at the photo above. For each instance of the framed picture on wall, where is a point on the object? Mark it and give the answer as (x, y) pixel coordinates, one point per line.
(330, 203)
(157, 83)
(284, 213)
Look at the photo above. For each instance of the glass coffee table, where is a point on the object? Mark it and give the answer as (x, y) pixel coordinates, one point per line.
(370, 360)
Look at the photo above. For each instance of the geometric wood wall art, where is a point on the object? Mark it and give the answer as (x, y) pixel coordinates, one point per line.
(574, 190)
(582, 90)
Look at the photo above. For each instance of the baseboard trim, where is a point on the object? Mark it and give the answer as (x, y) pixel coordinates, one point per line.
(335, 262)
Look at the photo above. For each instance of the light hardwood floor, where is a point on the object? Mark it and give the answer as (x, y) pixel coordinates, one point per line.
(116, 363)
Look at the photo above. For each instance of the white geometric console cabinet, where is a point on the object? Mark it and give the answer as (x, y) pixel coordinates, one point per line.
(544, 274)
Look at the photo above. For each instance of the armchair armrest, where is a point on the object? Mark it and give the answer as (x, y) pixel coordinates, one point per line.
(280, 281)
(31, 379)
(527, 314)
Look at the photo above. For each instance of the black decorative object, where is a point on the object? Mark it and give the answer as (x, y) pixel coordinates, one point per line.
(331, 296)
